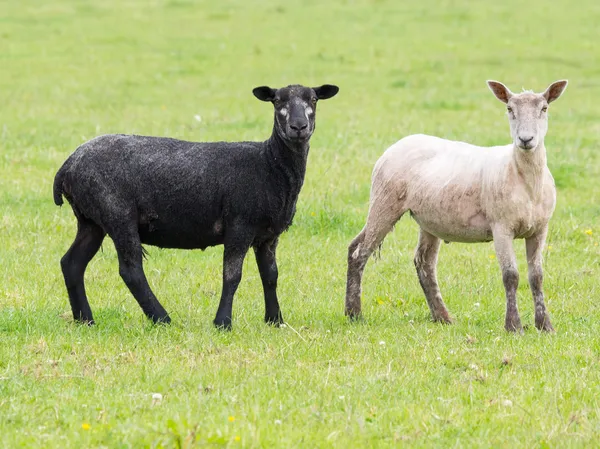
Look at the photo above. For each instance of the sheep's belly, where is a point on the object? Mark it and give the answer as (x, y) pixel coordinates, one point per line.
(180, 239)
(471, 229)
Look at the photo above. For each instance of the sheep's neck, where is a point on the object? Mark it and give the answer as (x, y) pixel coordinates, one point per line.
(530, 166)
(289, 157)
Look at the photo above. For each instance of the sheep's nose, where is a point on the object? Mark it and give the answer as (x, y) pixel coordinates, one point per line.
(525, 140)
(298, 126)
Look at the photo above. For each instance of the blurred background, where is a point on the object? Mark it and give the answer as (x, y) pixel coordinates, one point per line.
(72, 70)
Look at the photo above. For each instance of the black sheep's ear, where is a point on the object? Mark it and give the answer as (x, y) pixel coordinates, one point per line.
(326, 91)
(264, 93)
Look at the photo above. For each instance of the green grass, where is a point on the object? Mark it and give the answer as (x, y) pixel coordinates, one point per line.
(72, 70)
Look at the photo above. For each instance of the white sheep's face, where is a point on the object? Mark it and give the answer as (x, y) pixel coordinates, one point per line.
(295, 108)
(527, 112)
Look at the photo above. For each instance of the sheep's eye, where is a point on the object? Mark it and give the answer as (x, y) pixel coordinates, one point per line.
(509, 109)
(545, 109)
(313, 100)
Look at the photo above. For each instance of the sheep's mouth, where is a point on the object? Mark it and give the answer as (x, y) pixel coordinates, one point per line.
(298, 136)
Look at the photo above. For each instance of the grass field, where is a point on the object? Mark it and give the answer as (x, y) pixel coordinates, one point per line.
(70, 71)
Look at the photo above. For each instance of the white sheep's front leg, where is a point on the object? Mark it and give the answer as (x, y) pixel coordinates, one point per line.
(535, 245)
(503, 242)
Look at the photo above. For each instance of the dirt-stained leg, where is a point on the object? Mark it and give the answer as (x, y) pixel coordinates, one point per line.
(425, 262)
(503, 243)
(535, 245)
(383, 214)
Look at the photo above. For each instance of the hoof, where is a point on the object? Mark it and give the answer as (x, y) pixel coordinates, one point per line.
(352, 307)
(161, 320)
(223, 324)
(543, 324)
(276, 320)
(447, 321)
(514, 327)
(442, 317)
(512, 322)
(353, 311)
(355, 317)
(84, 322)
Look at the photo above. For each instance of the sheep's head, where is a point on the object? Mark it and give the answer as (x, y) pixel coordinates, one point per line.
(527, 112)
(295, 108)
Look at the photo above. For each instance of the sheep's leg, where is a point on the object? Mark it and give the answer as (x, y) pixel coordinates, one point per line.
(267, 266)
(74, 263)
(425, 263)
(503, 243)
(236, 248)
(534, 246)
(380, 222)
(129, 251)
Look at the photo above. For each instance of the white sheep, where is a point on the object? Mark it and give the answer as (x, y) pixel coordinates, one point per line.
(459, 192)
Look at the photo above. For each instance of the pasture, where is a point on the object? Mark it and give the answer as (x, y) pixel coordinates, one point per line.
(70, 71)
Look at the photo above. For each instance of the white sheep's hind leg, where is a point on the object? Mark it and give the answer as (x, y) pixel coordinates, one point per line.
(425, 262)
(503, 242)
(383, 214)
(535, 245)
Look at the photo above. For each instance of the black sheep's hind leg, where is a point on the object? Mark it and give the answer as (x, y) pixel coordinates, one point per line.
(267, 266)
(129, 251)
(74, 263)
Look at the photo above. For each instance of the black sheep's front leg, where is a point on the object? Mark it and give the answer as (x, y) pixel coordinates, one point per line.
(267, 266)
(236, 247)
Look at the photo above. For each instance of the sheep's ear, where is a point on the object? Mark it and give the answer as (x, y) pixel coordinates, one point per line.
(264, 93)
(501, 92)
(555, 90)
(326, 91)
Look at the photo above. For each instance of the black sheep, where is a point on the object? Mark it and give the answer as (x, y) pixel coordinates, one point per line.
(176, 194)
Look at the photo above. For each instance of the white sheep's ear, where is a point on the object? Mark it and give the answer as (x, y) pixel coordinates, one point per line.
(501, 92)
(555, 90)
(264, 93)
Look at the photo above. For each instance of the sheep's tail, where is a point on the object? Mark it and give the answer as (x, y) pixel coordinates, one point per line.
(58, 185)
